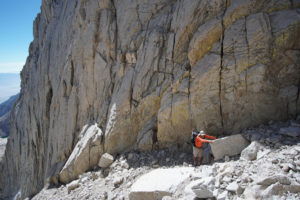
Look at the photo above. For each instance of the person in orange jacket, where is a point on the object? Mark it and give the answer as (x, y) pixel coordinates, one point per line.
(197, 145)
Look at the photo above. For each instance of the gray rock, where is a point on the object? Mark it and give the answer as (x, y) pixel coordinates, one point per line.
(256, 137)
(250, 152)
(290, 131)
(106, 160)
(282, 179)
(231, 145)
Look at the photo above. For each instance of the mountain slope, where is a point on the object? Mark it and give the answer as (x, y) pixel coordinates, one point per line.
(5, 109)
(147, 73)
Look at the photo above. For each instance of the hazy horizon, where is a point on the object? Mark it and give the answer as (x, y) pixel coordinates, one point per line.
(9, 85)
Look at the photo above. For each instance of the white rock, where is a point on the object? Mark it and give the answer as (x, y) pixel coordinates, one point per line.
(250, 152)
(188, 192)
(73, 185)
(234, 187)
(204, 188)
(167, 198)
(159, 183)
(106, 160)
(117, 181)
(222, 196)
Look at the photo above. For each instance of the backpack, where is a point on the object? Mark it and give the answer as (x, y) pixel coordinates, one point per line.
(193, 137)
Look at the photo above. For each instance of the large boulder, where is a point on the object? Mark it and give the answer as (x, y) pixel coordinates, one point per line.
(230, 146)
(85, 154)
(159, 183)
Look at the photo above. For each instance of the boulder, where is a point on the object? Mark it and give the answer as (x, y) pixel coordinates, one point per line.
(159, 183)
(231, 145)
(203, 188)
(106, 160)
(85, 154)
(250, 152)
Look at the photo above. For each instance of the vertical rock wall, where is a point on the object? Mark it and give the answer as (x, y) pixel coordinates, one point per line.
(146, 72)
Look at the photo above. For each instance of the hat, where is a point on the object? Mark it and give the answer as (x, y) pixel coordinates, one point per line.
(202, 133)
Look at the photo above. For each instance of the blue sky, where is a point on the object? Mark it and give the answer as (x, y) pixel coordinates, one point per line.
(16, 22)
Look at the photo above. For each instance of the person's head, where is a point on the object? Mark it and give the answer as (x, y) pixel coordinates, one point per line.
(202, 134)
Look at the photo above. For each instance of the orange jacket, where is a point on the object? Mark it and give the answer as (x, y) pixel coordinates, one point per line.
(199, 140)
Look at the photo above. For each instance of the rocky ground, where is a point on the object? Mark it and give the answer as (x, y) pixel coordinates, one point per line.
(267, 169)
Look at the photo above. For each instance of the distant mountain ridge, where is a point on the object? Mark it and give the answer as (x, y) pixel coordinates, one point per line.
(9, 85)
(5, 109)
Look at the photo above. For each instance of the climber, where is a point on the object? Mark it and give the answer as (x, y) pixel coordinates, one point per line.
(197, 140)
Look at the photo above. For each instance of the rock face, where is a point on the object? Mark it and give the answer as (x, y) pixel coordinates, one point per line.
(215, 65)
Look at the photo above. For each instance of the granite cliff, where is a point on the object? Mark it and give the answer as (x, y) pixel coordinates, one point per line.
(142, 74)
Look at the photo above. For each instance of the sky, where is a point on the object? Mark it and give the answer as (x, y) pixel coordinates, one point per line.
(16, 32)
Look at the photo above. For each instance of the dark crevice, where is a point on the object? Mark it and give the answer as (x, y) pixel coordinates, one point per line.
(48, 102)
(101, 55)
(221, 67)
(246, 37)
(154, 137)
(72, 74)
(292, 4)
(189, 68)
(297, 99)
(116, 30)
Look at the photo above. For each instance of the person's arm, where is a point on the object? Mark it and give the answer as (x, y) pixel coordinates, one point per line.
(209, 141)
(210, 137)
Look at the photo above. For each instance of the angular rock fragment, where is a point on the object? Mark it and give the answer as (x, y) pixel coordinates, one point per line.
(250, 152)
(85, 154)
(204, 188)
(234, 187)
(106, 160)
